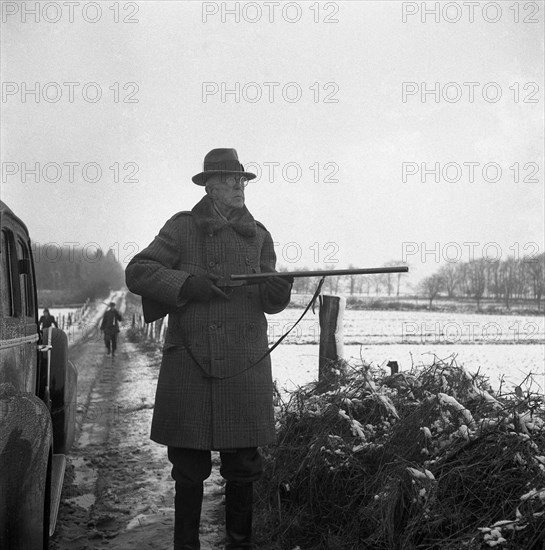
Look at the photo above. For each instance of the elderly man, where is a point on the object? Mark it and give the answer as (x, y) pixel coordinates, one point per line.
(215, 386)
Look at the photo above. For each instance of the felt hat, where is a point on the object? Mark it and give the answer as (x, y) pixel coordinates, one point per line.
(221, 161)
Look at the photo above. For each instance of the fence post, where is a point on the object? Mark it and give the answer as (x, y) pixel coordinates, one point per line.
(158, 327)
(164, 327)
(331, 337)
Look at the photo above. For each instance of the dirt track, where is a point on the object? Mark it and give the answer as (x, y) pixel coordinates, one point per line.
(118, 493)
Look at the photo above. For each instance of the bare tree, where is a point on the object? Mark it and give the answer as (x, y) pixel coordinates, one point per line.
(508, 272)
(431, 286)
(464, 284)
(493, 279)
(536, 271)
(332, 281)
(476, 278)
(386, 282)
(451, 275)
(389, 279)
(377, 281)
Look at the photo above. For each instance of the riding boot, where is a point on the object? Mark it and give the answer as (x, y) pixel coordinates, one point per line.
(238, 515)
(187, 515)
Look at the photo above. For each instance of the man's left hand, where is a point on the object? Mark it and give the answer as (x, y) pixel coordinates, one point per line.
(278, 289)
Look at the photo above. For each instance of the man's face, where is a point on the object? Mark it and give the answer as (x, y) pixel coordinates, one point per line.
(228, 191)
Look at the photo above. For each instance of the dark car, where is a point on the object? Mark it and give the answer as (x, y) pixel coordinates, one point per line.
(37, 400)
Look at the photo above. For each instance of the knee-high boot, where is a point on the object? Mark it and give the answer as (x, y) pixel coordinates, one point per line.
(238, 515)
(187, 515)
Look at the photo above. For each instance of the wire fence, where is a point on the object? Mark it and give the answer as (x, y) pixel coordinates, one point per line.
(65, 321)
(154, 332)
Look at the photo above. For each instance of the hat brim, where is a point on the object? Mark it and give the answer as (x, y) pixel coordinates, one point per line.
(200, 179)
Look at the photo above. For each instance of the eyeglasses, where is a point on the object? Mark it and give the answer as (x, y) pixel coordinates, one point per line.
(231, 181)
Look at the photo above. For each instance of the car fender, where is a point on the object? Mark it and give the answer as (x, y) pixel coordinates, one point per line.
(26, 438)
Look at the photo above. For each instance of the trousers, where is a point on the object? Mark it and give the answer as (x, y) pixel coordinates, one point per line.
(195, 465)
(190, 467)
(110, 339)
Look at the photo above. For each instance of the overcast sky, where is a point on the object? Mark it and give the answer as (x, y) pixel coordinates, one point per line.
(328, 94)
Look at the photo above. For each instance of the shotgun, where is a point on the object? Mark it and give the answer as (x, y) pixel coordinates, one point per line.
(155, 310)
(257, 278)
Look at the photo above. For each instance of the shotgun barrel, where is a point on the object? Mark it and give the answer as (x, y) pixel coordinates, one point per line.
(256, 278)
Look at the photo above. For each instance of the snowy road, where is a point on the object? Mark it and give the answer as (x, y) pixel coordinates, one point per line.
(118, 493)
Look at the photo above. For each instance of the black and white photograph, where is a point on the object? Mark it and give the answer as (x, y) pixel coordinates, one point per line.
(272, 275)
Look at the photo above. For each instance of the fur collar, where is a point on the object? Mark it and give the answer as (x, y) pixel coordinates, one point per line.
(209, 221)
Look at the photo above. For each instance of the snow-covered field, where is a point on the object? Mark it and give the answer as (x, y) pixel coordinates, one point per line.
(504, 347)
(500, 346)
(297, 365)
(416, 327)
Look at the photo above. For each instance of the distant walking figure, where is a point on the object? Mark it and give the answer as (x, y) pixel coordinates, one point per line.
(110, 327)
(46, 320)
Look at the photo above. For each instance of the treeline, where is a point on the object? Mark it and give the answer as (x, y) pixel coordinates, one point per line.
(386, 283)
(77, 273)
(505, 280)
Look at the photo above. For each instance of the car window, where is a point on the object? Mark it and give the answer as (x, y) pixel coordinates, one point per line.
(25, 279)
(6, 282)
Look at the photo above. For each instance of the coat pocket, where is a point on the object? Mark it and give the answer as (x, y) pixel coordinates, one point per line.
(172, 346)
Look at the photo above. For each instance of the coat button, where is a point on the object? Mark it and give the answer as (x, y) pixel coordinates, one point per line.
(211, 263)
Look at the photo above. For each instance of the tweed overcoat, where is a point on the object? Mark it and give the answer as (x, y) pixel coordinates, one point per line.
(216, 404)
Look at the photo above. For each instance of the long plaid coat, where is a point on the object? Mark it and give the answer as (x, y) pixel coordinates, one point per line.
(194, 406)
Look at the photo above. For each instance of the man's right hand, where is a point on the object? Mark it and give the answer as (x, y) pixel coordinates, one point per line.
(201, 289)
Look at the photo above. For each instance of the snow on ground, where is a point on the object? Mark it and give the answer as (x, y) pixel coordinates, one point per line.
(295, 366)
(120, 494)
(415, 327)
(498, 346)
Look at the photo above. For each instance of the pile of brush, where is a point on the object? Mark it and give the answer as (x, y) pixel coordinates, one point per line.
(426, 459)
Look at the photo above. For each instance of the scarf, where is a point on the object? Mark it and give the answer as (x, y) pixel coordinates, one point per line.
(210, 220)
